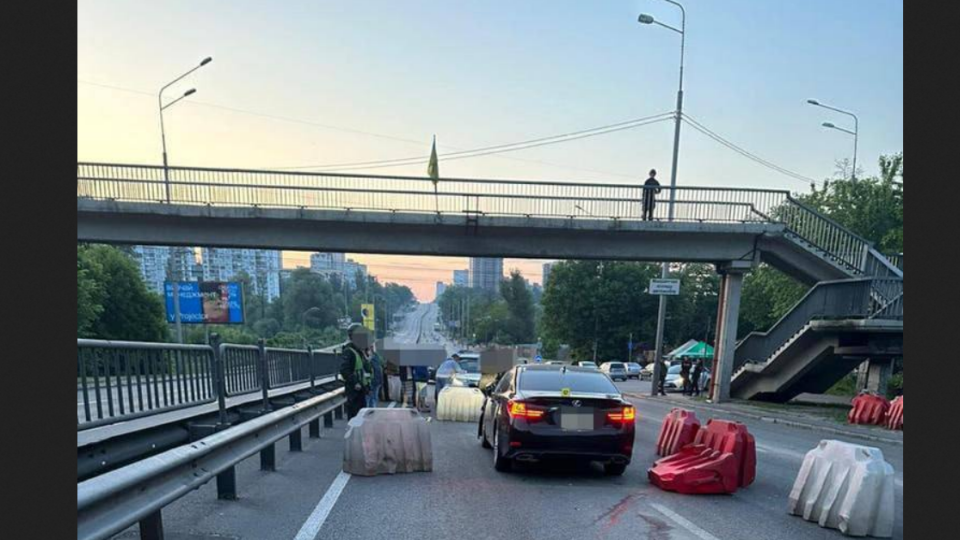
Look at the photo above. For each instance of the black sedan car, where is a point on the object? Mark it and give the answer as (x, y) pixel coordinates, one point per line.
(543, 411)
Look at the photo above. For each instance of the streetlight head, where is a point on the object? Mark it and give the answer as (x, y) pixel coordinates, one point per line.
(645, 19)
(813, 102)
(828, 125)
(190, 91)
(206, 61)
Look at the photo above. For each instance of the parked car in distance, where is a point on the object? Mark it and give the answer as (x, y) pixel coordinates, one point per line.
(633, 370)
(586, 364)
(614, 370)
(553, 363)
(538, 412)
(674, 382)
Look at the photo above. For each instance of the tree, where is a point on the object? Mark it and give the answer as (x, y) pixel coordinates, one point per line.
(870, 207)
(128, 310)
(89, 297)
(519, 303)
(768, 294)
(306, 290)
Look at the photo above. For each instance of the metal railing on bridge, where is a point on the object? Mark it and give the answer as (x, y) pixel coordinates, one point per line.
(862, 298)
(461, 196)
(121, 380)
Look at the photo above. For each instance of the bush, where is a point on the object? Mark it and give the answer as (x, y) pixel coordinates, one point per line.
(895, 385)
(847, 386)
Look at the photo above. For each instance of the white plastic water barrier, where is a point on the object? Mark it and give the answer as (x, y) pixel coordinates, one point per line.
(387, 441)
(459, 404)
(847, 487)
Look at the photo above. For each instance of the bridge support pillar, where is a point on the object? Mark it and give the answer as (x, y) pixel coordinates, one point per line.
(151, 527)
(728, 313)
(877, 372)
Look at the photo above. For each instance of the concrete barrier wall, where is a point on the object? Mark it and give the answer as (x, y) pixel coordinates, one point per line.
(387, 441)
(847, 487)
(459, 404)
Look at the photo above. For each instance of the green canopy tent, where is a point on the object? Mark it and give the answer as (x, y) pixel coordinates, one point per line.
(692, 349)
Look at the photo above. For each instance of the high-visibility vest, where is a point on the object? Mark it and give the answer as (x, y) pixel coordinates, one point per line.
(365, 377)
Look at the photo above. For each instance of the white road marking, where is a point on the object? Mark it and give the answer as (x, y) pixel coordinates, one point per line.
(319, 515)
(683, 522)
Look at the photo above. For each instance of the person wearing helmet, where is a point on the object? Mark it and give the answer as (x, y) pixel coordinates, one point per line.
(355, 369)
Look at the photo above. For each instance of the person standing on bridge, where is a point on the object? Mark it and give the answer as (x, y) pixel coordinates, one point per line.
(354, 368)
(650, 190)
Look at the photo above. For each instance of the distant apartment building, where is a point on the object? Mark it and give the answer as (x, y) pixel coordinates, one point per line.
(441, 287)
(166, 263)
(486, 273)
(547, 267)
(263, 266)
(461, 278)
(328, 264)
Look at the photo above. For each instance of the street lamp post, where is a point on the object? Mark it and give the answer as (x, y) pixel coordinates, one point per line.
(855, 132)
(161, 106)
(166, 178)
(665, 268)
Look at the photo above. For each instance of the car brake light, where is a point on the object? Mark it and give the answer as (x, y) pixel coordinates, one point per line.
(519, 409)
(626, 414)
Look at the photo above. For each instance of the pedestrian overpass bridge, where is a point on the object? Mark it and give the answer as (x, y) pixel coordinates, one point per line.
(857, 288)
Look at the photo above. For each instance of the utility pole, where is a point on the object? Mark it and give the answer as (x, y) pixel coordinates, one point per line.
(664, 269)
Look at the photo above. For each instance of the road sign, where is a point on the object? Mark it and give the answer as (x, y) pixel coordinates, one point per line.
(366, 310)
(660, 286)
(538, 359)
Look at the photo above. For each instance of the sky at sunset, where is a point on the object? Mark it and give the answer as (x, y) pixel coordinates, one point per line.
(300, 85)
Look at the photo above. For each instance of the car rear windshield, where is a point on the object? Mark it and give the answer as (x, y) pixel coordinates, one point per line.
(532, 380)
(616, 365)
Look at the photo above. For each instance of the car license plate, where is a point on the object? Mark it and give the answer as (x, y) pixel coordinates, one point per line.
(576, 420)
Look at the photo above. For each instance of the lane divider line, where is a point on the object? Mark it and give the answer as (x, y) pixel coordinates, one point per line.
(318, 517)
(683, 522)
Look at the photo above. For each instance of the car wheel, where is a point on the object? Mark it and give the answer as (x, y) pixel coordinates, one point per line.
(500, 463)
(614, 469)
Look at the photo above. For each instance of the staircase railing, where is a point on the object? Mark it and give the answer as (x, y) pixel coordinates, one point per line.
(842, 299)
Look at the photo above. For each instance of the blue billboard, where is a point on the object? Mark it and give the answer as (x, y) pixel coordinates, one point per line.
(206, 302)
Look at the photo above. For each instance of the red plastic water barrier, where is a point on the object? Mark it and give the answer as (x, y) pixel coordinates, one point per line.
(894, 418)
(679, 429)
(722, 459)
(869, 409)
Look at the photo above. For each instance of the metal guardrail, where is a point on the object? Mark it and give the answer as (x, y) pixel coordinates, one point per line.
(118, 380)
(109, 503)
(461, 196)
(125, 380)
(842, 299)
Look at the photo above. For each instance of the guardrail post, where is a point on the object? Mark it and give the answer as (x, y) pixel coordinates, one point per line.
(328, 420)
(218, 374)
(338, 413)
(227, 484)
(151, 527)
(296, 442)
(315, 428)
(264, 374)
(268, 456)
(310, 366)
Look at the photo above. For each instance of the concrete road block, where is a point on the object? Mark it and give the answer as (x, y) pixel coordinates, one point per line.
(387, 441)
(847, 487)
(459, 404)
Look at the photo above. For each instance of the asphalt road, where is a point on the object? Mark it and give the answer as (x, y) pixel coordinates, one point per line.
(465, 497)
